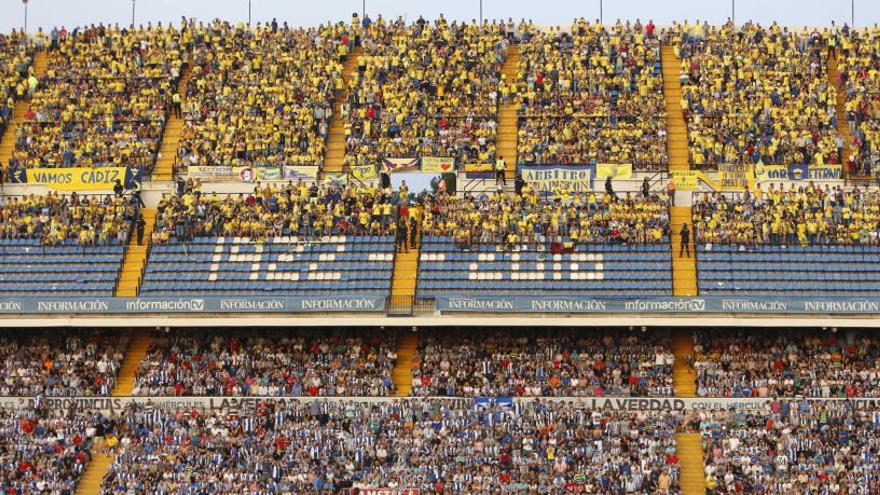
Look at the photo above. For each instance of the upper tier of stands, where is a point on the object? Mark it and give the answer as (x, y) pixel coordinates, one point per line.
(591, 94)
(798, 241)
(753, 94)
(425, 89)
(53, 245)
(261, 96)
(103, 100)
(522, 245)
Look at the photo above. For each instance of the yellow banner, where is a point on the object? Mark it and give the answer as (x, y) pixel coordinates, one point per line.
(363, 172)
(735, 176)
(685, 180)
(614, 170)
(79, 178)
(438, 164)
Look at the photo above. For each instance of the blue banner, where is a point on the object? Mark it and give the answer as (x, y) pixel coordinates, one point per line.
(573, 304)
(164, 305)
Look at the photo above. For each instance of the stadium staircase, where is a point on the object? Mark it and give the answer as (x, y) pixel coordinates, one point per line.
(90, 481)
(508, 127)
(842, 126)
(690, 457)
(136, 257)
(164, 169)
(137, 349)
(402, 374)
(677, 141)
(406, 267)
(334, 160)
(7, 141)
(684, 269)
(683, 373)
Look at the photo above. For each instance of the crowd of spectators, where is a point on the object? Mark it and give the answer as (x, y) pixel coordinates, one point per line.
(564, 363)
(436, 446)
(793, 215)
(792, 447)
(55, 363)
(261, 96)
(103, 100)
(512, 219)
(44, 451)
(278, 209)
(591, 95)
(750, 363)
(425, 89)
(16, 55)
(858, 65)
(754, 94)
(269, 363)
(54, 218)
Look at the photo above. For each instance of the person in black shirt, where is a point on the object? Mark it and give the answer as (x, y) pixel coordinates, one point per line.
(685, 241)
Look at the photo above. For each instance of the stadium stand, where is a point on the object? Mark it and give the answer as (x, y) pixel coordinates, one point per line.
(518, 244)
(797, 241)
(751, 363)
(548, 363)
(16, 55)
(425, 89)
(591, 95)
(536, 447)
(292, 241)
(791, 447)
(237, 116)
(45, 451)
(756, 95)
(335, 363)
(58, 363)
(54, 245)
(103, 101)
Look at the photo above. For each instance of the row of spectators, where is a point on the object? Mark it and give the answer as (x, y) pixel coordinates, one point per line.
(279, 209)
(455, 363)
(793, 215)
(563, 363)
(590, 217)
(56, 219)
(746, 363)
(857, 65)
(269, 363)
(56, 363)
(432, 445)
(104, 98)
(754, 94)
(591, 95)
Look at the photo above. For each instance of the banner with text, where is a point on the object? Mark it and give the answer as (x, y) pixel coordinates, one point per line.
(81, 178)
(223, 172)
(614, 170)
(297, 172)
(399, 164)
(438, 164)
(734, 176)
(479, 170)
(562, 304)
(685, 180)
(97, 305)
(797, 172)
(549, 179)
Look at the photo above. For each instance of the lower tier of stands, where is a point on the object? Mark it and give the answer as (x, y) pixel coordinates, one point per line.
(726, 270)
(281, 266)
(547, 269)
(27, 268)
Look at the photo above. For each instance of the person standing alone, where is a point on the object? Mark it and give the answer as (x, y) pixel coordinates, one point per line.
(685, 241)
